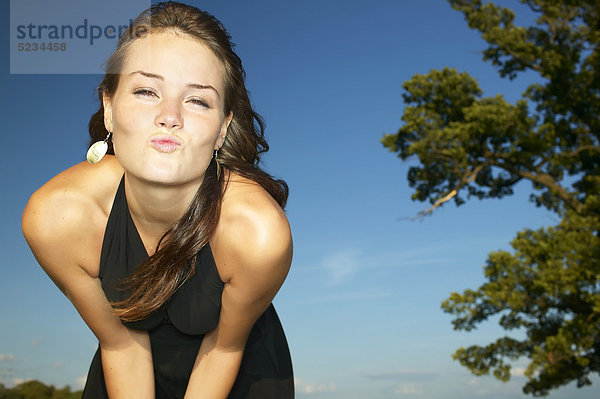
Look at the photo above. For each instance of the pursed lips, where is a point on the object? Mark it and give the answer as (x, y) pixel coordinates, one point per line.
(165, 142)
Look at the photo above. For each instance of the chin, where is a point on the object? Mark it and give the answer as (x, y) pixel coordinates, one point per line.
(168, 176)
(162, 177)
(162, 171)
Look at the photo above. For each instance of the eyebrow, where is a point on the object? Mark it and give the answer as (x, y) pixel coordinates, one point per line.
(189, 85)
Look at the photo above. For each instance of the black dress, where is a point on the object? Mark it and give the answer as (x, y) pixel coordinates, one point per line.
(177, 328)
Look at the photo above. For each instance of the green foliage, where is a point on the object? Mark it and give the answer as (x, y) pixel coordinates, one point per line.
(36, 390)
(550, 288)
(483, 146)
(469, 145)
(463, 142)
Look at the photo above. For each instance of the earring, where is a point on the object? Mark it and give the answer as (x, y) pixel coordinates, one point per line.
(218, 164)
(98, 150)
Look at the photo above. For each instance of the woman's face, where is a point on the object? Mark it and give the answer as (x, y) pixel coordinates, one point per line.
(167, 113)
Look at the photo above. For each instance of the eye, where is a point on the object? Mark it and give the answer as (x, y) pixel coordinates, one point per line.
(199, 102)
(144, 92)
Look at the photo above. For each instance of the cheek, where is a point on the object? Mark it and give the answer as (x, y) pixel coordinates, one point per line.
(119, 145)
(128, 127)
(125, 139)
(126, 118)
(206, 133)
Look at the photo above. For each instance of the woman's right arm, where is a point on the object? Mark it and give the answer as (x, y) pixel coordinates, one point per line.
(58, 224)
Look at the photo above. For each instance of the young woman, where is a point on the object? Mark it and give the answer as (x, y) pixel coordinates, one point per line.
(173, 245)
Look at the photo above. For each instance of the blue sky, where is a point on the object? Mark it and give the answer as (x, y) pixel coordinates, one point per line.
(361, 305)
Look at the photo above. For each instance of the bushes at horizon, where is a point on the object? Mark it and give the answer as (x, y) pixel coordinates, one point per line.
(34, 389)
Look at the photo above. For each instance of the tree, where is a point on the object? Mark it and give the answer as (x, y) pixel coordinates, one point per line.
(65, 393)
(37, 390)
(474, 146)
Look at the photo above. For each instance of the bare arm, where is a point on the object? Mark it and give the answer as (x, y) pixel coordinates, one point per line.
(254, 250)
(58, 225)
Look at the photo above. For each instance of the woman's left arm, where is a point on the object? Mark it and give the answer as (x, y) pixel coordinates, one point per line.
(253, 249)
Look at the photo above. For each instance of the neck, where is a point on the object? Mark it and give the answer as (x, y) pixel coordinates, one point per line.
(154, 207)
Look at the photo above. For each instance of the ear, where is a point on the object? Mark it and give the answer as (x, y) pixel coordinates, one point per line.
(223, 133)
(107, 104)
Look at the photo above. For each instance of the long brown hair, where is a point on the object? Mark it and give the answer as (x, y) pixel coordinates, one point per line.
(161, 274)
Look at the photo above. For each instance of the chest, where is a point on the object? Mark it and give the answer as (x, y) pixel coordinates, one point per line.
(193, 309)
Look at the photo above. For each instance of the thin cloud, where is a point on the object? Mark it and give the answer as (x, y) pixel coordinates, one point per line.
(484, 386)
(341, 265)
(7, 357)
(404, 376)
(36, 341)
(407, 389)
(517, 371)
(18, 381)
(311, 387)
(81, 381)
(6, 375)
(346, 297)
(347, 262)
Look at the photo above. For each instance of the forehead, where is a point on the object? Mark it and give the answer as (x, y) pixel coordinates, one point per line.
(176, 56)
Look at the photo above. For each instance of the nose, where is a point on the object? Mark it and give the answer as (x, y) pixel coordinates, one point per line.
(169, 115)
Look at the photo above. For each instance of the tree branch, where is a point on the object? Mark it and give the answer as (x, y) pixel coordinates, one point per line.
(552, 29)
(535, 67)
(545, 180)
(441, 155)
(533, 7)
(548, 181)
(466, 179)
(580, 149)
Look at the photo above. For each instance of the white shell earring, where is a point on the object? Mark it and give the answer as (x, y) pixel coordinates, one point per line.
(98, 150)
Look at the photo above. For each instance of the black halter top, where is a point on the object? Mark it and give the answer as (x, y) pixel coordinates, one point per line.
(176, 329)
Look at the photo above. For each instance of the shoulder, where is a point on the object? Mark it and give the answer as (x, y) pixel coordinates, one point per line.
(65, 217)
(253, 237)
